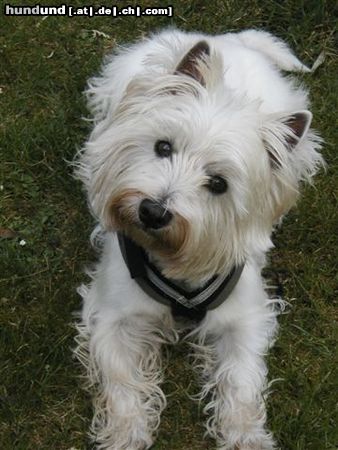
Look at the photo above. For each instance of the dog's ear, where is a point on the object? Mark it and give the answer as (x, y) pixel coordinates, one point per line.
(190, 64)
(285, 132)
(299, 124)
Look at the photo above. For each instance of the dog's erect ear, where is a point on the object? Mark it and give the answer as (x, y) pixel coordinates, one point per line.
(298, 123)
(285, 132)
(190, 64)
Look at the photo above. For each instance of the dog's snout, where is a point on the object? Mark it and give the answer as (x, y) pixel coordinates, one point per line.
(153, 214)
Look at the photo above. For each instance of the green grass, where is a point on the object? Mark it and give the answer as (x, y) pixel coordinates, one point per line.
(44, 67)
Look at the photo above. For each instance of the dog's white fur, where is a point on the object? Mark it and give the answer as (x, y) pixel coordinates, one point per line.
(239, 118)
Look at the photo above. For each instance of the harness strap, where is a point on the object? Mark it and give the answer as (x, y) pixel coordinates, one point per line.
(193, 304)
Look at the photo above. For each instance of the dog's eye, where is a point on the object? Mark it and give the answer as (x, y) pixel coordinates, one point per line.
(217, 184)
(163, 149)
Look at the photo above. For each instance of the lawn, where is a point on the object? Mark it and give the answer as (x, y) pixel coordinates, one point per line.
(45, 227)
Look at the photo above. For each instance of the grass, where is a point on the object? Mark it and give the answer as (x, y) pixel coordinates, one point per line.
(44, 66)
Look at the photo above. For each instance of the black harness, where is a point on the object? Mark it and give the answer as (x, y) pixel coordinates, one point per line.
(189, 304)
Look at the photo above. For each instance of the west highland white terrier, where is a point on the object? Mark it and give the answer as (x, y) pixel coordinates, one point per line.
(198, 149)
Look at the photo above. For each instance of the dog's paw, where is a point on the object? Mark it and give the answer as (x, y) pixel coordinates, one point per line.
(250, 443)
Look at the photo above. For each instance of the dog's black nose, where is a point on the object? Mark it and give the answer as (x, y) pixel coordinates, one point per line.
(153, 214)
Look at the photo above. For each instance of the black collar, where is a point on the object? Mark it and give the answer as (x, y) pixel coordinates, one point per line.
(190, 304)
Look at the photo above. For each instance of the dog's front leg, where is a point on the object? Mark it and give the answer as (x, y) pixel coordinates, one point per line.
(124, 365)
(234, 379)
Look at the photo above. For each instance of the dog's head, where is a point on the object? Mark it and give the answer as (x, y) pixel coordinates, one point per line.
(194, 173)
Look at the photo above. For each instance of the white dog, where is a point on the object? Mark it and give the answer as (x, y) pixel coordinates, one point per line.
(199, 147)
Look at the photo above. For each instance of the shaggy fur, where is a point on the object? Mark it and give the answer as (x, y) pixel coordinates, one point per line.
(227, 112)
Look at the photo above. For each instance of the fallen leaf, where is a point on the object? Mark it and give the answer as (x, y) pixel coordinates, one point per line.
(6, 233)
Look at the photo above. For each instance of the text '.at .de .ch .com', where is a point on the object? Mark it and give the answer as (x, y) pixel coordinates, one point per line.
(89, 11)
